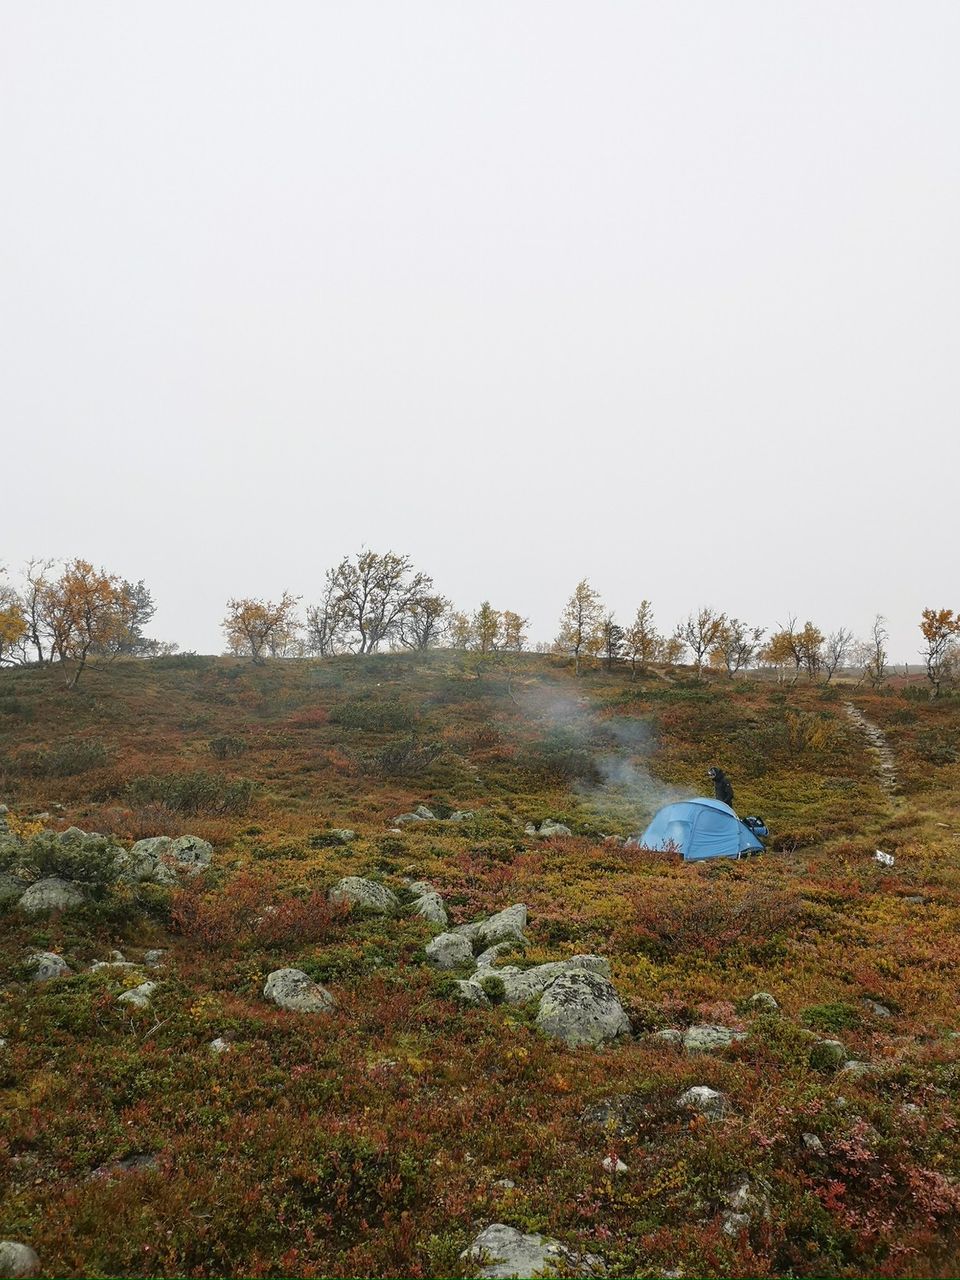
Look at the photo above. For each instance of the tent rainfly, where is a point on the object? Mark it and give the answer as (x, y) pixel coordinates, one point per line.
(700, 829)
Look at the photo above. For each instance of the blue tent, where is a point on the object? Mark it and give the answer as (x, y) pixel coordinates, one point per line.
(700, 828)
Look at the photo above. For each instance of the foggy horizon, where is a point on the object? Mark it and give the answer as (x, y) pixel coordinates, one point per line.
(663, 297)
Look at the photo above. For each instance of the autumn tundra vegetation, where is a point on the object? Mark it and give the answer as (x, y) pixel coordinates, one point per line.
(331, 956)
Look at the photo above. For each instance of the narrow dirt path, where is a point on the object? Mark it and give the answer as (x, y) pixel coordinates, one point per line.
(878, 744)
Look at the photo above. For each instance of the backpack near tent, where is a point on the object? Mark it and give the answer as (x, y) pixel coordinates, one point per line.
(700, 829)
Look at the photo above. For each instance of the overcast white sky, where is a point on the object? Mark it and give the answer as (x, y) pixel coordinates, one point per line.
(664, 294)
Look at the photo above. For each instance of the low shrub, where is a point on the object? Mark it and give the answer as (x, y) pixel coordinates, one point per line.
(89, 861)
(372, 714)
(226, 746)
(65, 759)
(402, 757)
(710, 918)
(192, 793)
(835, 1016)
(250, 911)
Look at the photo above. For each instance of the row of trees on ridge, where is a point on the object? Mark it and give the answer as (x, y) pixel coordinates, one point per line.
(71, 612)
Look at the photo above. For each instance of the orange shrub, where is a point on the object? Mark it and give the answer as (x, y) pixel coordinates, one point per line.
(251, 911)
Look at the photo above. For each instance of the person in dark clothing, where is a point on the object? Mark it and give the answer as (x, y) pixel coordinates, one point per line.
(721, 785)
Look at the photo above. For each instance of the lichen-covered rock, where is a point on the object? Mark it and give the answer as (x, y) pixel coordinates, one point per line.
(153, 958)
(582, 1008)
(12, 887)
(669, 1035)
(461, 815)
(449, 951)
(505, 925)
(430, 906)
(220, 1045)
(17, 1260)
(138, 997)
(858, 1070)
(425, 814)
(51, 894)
(295, 990)
(358, 892)
(41, 966)
(162, 859)
(503, 1251)
(521, 985)
(470, 992)
(343, 835)
(828, 1055)
(547, 829)
(704, 1100)
(763, 1002)
(707, 1036)
(402, 819)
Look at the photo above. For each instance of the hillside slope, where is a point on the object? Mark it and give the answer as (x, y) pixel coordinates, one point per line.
(379, 1138)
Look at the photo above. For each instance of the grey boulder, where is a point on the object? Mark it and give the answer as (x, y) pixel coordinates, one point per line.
(138, 997)
(44, 965)
(582, 1008)
(704, 1100)
(17, 1260)
(708, 1036)
(295, 990)
(470, 992)
(521, 985)
(502, 927)
(763, 1002)
(51, 894)
(163, 860)
(430, 906)
(355, 891)
(449, 951)
(503, 1251)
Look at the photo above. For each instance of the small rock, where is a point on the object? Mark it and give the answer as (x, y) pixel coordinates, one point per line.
(707, 1037)
(138, 997)
(162, 860)
(469, 992)
(430, 906)
(708, 1102)
(828, 1055)
(44, 965)
(356, 891)
(111, 964)
(220, 1045)
(402, 819)
(419, 888)
(858, 1069)
(582, 1008)
(505, 1184)
(669, 1035)
(292, 989)
(461, 815)
(547, 829)
(614, 1165)
(813, 1144)
(154, 957)
(504, 1251)
(139, 1163)
(876, 1008)
(764, 1002)
(343, 834)
(449, 951)
(51, 894)
(17, 1260)
(425, 814)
